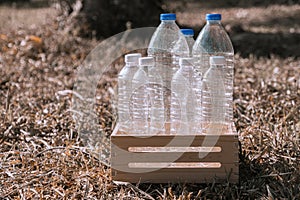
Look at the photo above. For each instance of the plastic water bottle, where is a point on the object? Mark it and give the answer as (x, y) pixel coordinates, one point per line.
(214, 96)
(155, 92)
(140, 100)
(189, 37)
(186, 99)
(160, 48)
(125, 88)
(214, 41)
(180, 50)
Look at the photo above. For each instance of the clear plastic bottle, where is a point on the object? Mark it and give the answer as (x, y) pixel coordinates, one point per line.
(214, 96)
(186, 99)
(189, 37)
(180, 50)
(214, 41)
(160, 48)
(140, 100)
(156, 104)
(125, 88)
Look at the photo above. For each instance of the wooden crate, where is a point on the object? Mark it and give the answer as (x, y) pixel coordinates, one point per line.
(164, 158)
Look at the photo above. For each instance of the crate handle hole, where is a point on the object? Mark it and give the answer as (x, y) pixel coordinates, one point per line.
(174, 165)
(174, 149)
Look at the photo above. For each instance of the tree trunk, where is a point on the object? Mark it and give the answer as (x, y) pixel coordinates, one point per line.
(108, 17)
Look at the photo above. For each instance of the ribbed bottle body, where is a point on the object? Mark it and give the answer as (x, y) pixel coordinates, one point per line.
(156, 102)
(140, 101)
(125, 91)
(186, 108)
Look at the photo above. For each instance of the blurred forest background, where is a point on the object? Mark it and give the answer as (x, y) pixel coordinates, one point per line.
(42, 45)
(253, 28)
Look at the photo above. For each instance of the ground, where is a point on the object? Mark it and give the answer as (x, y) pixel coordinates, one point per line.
(42, 156)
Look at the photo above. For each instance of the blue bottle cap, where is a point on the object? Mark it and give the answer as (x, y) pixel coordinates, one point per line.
(187, 32)
(168, 16)
(213, 16)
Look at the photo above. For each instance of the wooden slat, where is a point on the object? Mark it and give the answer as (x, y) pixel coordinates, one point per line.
(166, 140)
(120, 157)
(145, 170)
(226, 129)
(180, 175)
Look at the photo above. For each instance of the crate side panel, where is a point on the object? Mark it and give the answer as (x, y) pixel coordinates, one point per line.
(121, 157)
(181, 175)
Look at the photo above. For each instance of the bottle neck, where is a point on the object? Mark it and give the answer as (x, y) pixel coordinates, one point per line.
(186, 67)
(131, 64)
(188, 36)
(213, 22)
(146, 66)
(168, 21)
(217, 66)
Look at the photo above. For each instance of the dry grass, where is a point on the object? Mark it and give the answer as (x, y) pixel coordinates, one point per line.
(42, 156)
(16, 18)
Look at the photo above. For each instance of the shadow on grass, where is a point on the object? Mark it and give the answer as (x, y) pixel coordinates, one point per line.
(266, 44)
(256, 181)
(238, 3)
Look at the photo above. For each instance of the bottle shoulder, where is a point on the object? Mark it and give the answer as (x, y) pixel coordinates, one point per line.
(182, 77)
(126, 70)
(170, 26)
(213, 73)
(181, 46)
(213, 38)
(140, 74)
(164, 37)
(153, 71)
